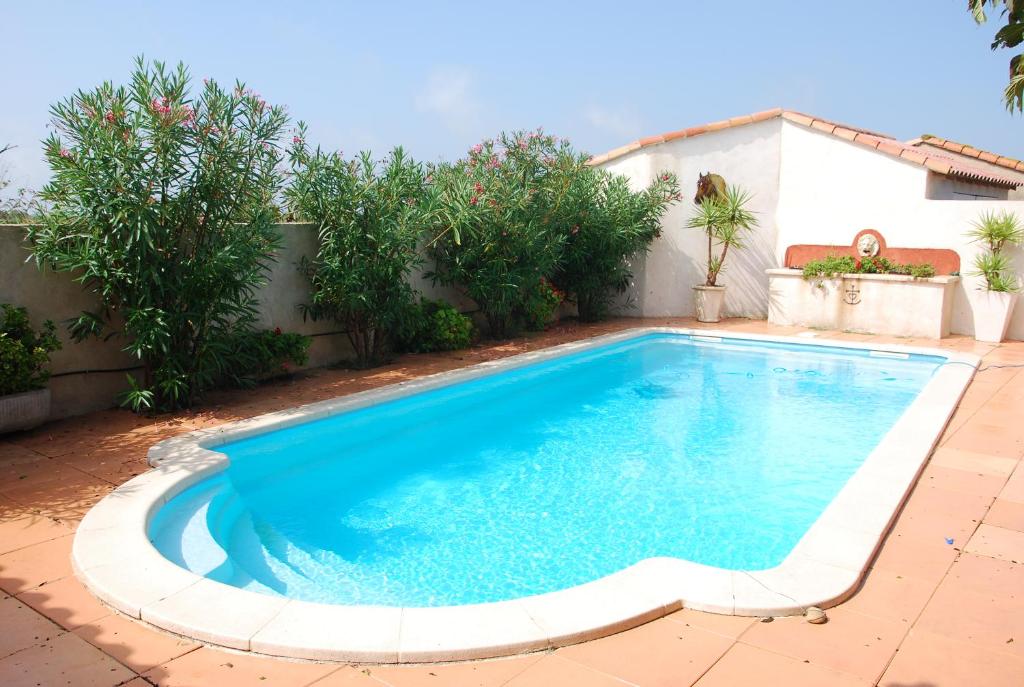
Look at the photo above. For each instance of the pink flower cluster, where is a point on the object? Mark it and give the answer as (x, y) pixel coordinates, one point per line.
(161, 106)
(65, 153)
(477, 149)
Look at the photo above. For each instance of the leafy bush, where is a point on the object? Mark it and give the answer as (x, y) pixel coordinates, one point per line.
(541, 305)
(607, 224)
(830, 266)
(23, 353)
(370, 221)
(498, 232)
(996, 231)
(163, 206)
(834, 265)
(255, 355)
(434, 326)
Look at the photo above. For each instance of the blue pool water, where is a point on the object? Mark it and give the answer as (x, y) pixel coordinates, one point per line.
(545, 477)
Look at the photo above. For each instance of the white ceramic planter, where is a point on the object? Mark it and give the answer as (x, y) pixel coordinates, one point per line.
(708, 300)
(24, 411)
(992, 312)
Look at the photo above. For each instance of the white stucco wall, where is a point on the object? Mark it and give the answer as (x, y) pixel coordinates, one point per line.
(747, 156)
(809, 187)
(830, 189)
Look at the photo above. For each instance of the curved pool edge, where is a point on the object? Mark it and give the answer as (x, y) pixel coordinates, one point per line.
(113, 557)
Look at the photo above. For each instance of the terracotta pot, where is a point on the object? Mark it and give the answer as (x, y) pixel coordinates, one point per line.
(992, 311)
(709, 302)
(24, 411)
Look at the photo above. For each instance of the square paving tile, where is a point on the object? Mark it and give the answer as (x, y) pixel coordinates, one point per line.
(27, 530)
(67, 602)
(660, 653)
(850, 642)
(731, 626)
(31, 566)
(930, 659)
(473, 674)
(21, 627)
(748, 665)
(997, 542)
(552, 669)
(892, 596)
(132, 643)
(207, 666)
(1008, 514)
(64, 661)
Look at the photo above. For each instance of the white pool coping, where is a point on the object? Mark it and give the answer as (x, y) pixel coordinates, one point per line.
(113, 556)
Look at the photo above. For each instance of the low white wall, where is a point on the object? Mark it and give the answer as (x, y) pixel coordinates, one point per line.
(89, 375)
(874, 303)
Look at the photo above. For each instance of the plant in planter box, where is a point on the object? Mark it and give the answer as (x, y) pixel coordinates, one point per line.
(24, 353)
(725, 219)
(993, 305)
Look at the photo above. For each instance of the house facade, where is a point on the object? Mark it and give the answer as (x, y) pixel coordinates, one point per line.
(814, 182)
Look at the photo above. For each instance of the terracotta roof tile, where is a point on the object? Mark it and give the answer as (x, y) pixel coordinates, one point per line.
(969, 151)
(911, 152)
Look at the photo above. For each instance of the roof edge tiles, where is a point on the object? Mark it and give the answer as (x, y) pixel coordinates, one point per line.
(911, 152)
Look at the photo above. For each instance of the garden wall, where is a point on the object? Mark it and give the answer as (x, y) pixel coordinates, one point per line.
(89, 375)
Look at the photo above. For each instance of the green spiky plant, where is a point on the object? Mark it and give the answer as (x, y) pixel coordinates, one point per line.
(996, 231)
(726, 220)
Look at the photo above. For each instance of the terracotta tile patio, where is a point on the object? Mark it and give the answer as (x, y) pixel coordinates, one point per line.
(930, 614)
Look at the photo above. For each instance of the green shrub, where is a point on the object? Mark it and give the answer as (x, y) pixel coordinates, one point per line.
(370, 221)
(541, 305)
(834, 265)
(163, 207)
(996, 231)
(255, 355)
(434, 326)
(23, 353)
(498, 230)
(606, 225)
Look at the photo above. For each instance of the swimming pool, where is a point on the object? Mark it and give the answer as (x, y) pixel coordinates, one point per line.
(762, 470)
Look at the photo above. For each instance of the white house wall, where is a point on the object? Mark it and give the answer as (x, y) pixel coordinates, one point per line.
(830, 189)
(747, 156)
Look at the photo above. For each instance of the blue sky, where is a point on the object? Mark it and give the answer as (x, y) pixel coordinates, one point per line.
(436, 77)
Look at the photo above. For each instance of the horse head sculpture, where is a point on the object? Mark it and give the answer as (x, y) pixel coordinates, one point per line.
(709, 186)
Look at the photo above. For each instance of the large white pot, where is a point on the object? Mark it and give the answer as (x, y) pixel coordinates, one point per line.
(25, 410)
(709, 302)
(992, 311)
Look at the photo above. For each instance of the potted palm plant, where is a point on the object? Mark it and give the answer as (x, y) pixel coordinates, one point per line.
(992, 304)
(725, 219)
(24, 398)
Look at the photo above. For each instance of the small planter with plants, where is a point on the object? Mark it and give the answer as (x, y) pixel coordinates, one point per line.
(870, 294)
(725, 219)
(993, 303)
(24, 354)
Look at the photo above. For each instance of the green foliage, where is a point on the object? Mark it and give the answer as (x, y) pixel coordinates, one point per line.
(830, 266)
(23, 352)
(834, 265)
(1010, 35)
(725, 220)
(996, 232)
(370, 221)
(541, 305)
(162, 205)
(606, 225)
(498, 230)
(257, 355)
(434, 326)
